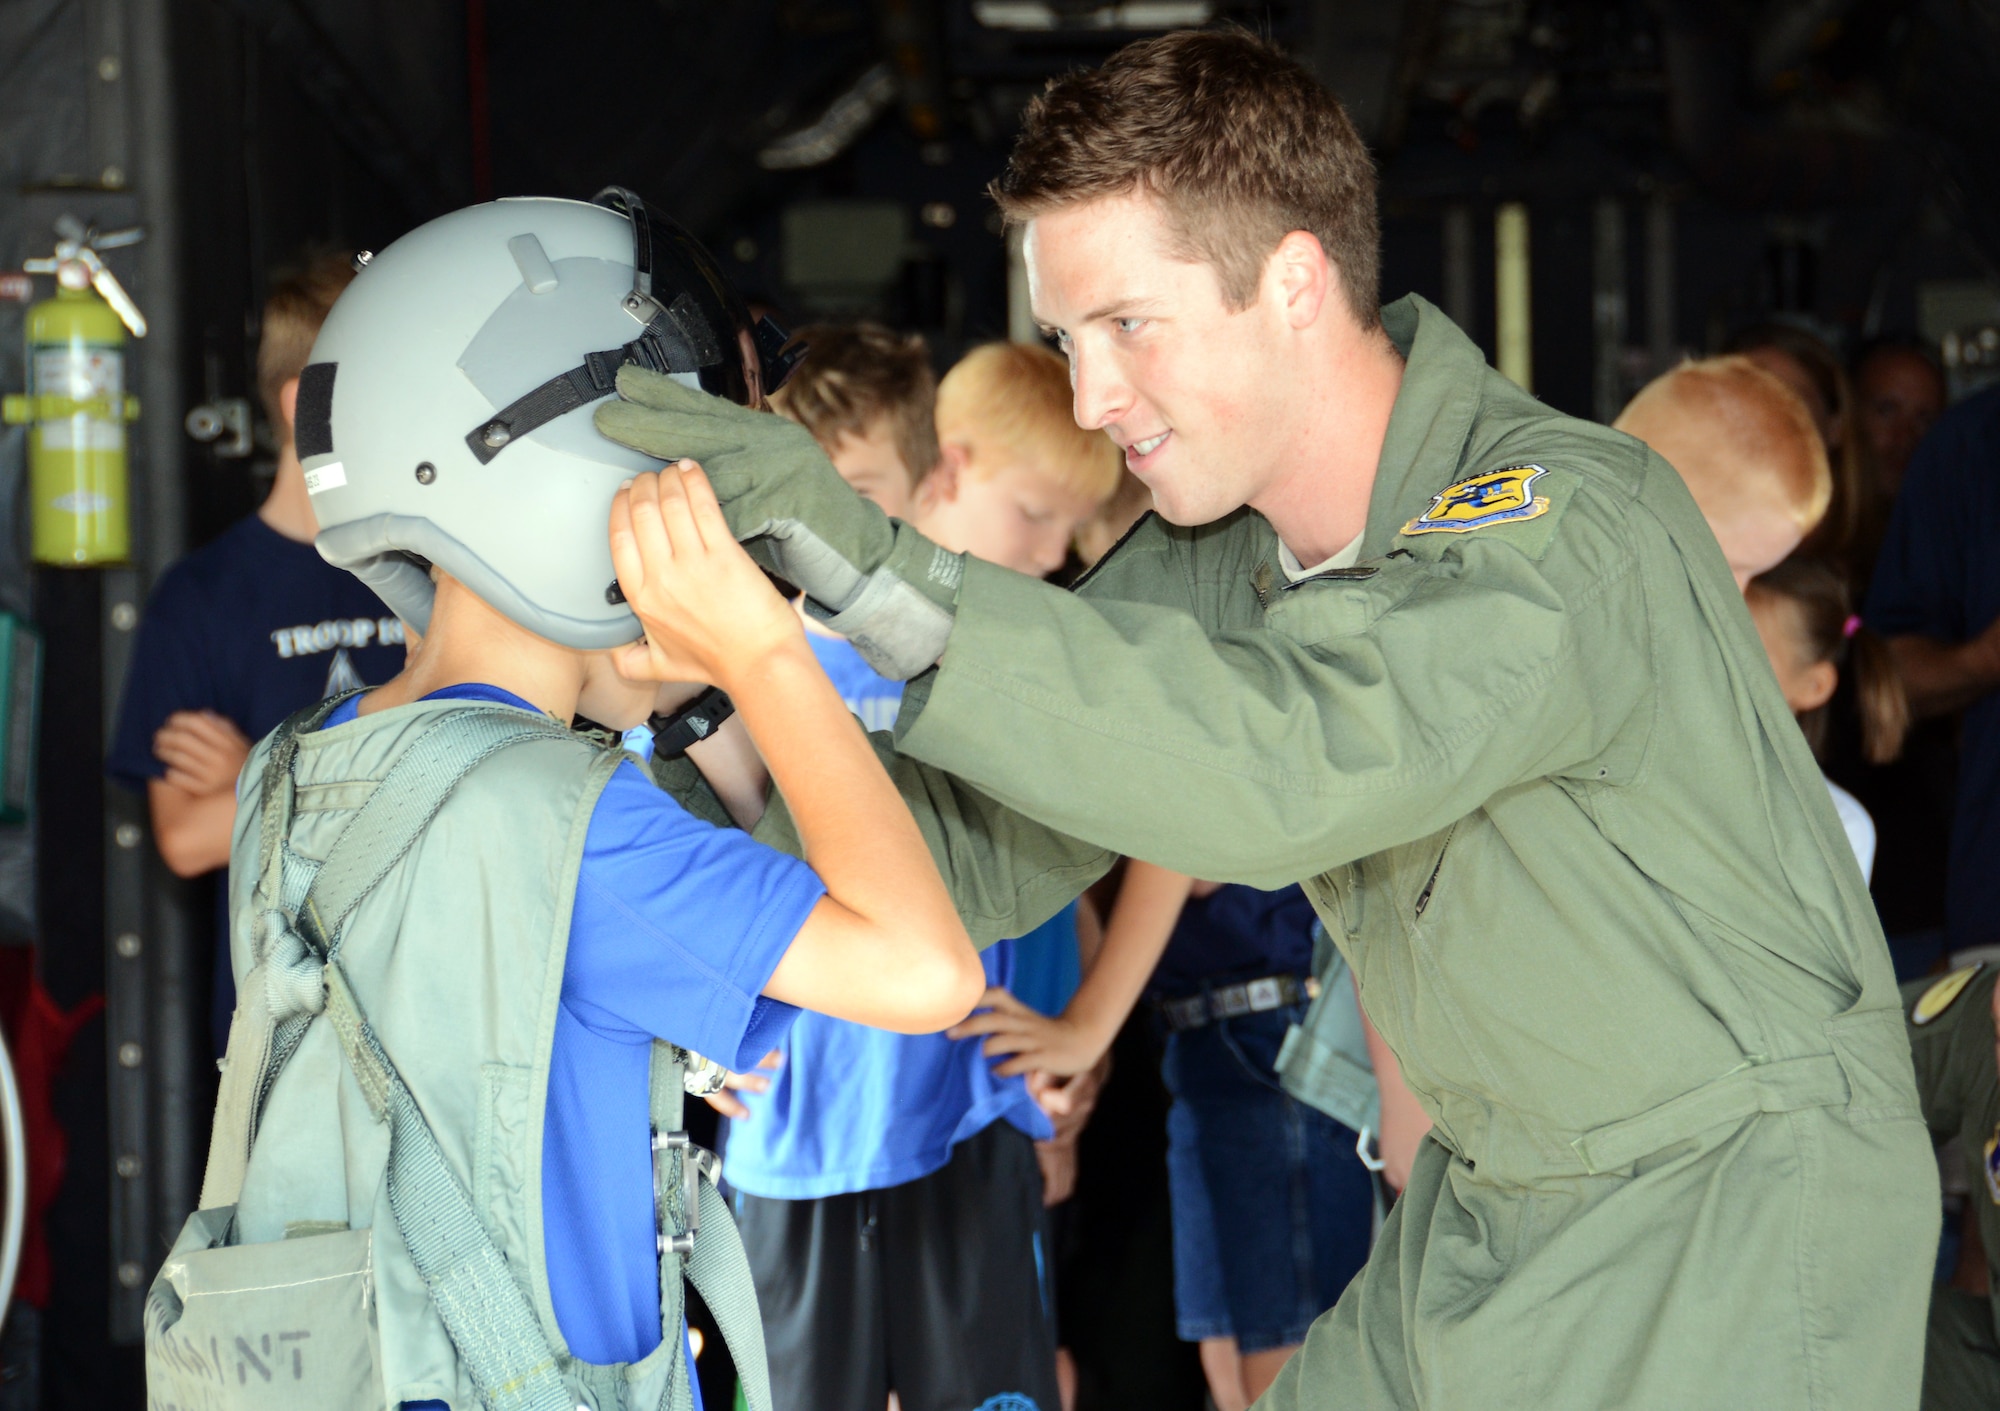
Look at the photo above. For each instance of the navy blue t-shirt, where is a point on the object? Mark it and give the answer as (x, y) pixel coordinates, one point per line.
(253, 626)
(1235, 934)
(1939, 576)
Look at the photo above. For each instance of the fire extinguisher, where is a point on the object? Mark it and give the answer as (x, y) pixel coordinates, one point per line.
(76, 405)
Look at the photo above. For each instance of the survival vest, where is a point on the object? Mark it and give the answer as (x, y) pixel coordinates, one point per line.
(370, 1229)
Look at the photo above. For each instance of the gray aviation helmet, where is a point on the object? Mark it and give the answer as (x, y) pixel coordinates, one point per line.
(445, 416)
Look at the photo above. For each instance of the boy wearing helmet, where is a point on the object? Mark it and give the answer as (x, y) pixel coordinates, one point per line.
(478, 949)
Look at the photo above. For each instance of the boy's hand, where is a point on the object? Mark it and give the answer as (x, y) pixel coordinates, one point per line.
(1058, 1162)
(203, 751)
(730, 1107)
(1068, 1102)
(881, 584)
(1060, 1045)
(707, 610)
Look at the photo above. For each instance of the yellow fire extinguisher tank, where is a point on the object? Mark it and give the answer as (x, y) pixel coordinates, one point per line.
(76, 408)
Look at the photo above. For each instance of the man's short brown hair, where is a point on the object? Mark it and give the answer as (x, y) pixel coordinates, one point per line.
(856, 375)
(1238, 143)
(292, 318)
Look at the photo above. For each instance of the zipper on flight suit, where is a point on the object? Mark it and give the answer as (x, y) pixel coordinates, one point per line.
(1424, 897)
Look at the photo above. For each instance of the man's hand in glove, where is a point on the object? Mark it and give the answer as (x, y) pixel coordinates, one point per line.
(876, 581)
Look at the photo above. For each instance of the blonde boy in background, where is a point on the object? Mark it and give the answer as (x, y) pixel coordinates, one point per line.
(1748, 449)
(1752, 457)
(888, 1186)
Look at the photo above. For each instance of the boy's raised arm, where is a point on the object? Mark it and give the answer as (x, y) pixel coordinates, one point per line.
(885, 946)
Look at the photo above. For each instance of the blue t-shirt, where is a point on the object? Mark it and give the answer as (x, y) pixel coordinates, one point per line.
(1939, 576)
(1048, 967)
(676, 929)
(873, 697)
(859, 1109)
(253, 626)
(1234, 934)
(854, 1108)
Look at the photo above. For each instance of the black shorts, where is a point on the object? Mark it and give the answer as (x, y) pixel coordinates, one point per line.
(934, 1289)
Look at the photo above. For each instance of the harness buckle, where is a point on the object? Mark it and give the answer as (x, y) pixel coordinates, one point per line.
(696, 1162)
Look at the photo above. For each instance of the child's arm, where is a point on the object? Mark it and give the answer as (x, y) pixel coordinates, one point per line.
(194, 806)
(1404, 1121)
(1149, 903)
(884, 947)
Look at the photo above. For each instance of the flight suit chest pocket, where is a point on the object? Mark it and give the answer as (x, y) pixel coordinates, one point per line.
(1340, 602)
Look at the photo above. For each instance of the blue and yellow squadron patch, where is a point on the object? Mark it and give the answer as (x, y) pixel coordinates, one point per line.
(1941, 996)
(1992, 1165)
(1496, 497)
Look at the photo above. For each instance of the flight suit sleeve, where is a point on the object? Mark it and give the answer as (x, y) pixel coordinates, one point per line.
(1007, 872)
(1360, 714)
(1951, 1045)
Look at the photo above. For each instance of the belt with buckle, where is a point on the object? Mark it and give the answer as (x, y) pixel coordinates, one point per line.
(1230, 1001)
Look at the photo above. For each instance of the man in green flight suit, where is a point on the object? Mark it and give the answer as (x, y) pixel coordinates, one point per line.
(1952, 1036)
(1478, 674)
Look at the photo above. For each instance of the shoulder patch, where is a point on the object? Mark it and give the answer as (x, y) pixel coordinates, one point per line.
(1505, 496)
(1933, 1002)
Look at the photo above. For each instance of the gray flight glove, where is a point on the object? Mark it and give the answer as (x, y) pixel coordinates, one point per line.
(876, 581)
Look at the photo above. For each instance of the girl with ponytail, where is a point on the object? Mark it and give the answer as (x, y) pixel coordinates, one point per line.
(1805, 616)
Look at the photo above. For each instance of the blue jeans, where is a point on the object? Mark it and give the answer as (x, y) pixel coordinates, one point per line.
(1272, 1209)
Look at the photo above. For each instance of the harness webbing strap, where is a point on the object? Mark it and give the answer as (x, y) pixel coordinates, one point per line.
(499, 1338)
(403, 805)
(666, 1096)
(720, 1269)
(248, 1066)
(492, 1326)
(717, 1265)
(322, 896)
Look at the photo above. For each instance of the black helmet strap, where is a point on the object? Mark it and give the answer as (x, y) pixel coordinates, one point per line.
(596, 377)
(678, 339)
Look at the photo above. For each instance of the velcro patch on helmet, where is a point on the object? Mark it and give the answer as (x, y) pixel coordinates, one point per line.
(312, 416)
(701, 341)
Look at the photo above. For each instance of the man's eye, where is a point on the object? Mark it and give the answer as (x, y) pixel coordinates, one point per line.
(1130, 325)
(1057, 337)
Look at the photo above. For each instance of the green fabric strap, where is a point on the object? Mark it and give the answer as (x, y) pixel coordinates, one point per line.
(721, 1271)
(717, 1265)
(492, 1326)
(402, 806)
(382, 830)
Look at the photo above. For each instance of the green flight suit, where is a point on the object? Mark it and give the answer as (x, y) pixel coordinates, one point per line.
(1530, 761)
(1951, 1037)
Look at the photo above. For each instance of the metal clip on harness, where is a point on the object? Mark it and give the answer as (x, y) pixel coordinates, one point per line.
(696, 1162)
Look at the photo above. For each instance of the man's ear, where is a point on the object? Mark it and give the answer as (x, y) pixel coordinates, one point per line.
(1304, 277)
(288, 406)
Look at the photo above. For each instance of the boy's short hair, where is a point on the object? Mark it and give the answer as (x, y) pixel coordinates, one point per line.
(855, 375)
(1236, 140)
(1010, 403)
(293, 314)
(1744, 441)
